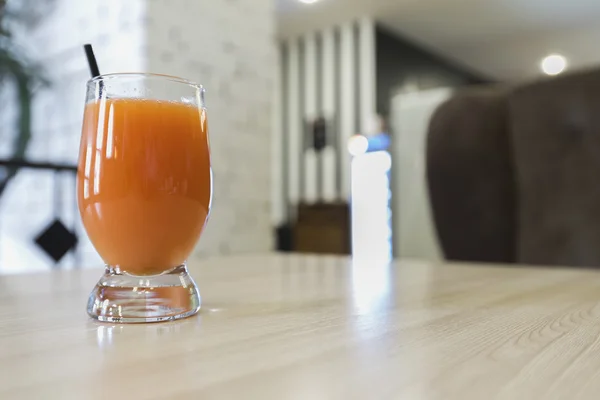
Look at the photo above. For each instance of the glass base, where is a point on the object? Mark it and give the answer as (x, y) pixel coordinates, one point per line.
(125, 298)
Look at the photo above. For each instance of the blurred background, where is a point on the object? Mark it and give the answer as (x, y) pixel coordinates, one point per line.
(428, 129)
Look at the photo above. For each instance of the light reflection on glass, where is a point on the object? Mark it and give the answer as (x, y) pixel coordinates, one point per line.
(97, 173)
(87, 170)
(100, 130)
(109, 133)
(98, 210)
(202, 117)
(88, 161)
(99, 147)
(86, 188)
(183, 282)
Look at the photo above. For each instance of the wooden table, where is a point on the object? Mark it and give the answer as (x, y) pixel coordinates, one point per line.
(307, 327)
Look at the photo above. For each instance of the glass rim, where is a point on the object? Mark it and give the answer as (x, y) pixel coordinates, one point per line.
(172, 78)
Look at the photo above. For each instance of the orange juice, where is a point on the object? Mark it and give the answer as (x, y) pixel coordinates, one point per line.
(144, 181)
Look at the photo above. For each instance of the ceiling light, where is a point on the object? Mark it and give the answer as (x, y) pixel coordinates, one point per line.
(308, 1)
(553, 64)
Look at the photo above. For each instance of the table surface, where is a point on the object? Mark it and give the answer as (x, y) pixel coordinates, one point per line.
(309, 327)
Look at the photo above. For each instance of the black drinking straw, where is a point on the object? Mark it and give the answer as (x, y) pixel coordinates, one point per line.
(91, 59)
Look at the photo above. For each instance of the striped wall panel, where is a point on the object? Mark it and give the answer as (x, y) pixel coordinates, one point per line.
(329, 74)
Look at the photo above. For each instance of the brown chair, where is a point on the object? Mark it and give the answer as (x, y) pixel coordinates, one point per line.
(514, 174)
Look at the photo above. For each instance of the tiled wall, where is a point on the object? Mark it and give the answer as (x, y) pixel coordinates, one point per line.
(229, 47)
(27, 206)
(226, 45)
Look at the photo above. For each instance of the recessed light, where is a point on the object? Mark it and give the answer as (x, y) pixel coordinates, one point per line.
(308, 1)
(553, 64)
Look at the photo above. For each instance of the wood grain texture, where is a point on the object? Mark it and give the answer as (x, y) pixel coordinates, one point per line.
(308, 327)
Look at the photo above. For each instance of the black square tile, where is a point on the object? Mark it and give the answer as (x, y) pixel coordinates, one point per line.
(56, 240)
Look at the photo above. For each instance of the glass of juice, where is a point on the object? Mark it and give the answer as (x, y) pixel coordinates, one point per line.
(144, 186)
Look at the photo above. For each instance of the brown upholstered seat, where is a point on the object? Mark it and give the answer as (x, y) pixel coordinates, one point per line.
(470, 177)
(514, 175)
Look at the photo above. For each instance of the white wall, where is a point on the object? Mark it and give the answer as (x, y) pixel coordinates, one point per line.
(227, 46)
(414, 232)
